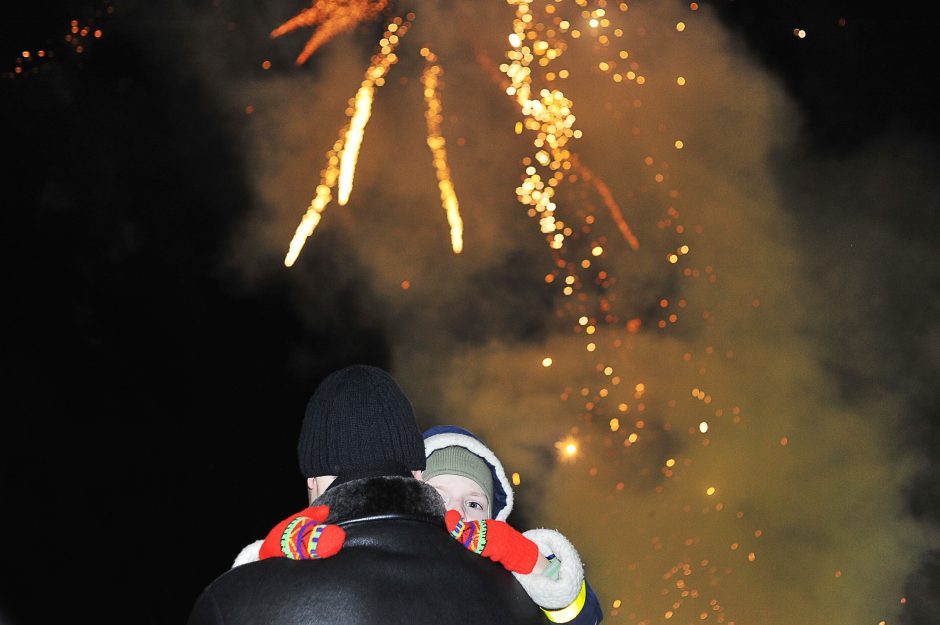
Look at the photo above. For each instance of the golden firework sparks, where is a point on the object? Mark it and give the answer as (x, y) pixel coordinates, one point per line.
(331, 17)
(602, 190)
(319, 202)
(362, 111)
(547, 113)
(349, 140)
(382, 61)
(576, 166)
(431, 80)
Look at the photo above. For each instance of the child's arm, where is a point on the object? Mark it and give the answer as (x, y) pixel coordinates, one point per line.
(544, 562)
(249, 553)
(543, 566)
(562, 591)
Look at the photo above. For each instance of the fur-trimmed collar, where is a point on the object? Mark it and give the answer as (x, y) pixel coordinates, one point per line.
(381, 496)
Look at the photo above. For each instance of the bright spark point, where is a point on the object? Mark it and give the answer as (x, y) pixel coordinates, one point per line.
(567, 449)
(546, 362)
(357, 128)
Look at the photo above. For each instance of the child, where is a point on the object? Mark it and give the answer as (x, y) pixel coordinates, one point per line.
(479, 497)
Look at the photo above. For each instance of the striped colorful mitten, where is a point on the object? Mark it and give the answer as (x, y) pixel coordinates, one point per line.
(496, 540)
(304, 536)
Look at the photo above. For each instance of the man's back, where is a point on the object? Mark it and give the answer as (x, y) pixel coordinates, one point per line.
(398, 565)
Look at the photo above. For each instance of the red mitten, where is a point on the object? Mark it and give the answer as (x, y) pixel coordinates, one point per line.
(304, 536)
(496, 540)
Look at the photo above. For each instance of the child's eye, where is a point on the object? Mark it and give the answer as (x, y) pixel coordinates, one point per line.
(475, 505)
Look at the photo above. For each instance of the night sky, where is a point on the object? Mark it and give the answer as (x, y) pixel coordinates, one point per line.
(157, 354)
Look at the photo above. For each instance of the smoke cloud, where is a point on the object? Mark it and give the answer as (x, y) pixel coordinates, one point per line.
(788, 348)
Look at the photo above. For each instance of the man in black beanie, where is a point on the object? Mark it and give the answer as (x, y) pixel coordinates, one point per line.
(360, 448)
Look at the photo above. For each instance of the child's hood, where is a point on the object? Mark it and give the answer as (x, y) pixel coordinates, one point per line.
(441, 436)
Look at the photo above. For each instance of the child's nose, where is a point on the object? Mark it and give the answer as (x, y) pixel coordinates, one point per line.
(463, 513)
(450, 504)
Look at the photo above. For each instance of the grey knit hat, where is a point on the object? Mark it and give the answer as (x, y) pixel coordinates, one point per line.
(358, 423)
(457, 460)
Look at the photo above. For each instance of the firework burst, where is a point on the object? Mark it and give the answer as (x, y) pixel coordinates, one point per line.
(330, 17)
(547, 113)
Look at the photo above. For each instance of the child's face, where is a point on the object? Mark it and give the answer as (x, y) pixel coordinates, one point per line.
(463, 495)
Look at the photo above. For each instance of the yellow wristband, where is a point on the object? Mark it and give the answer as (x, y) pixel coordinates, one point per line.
(569, 612)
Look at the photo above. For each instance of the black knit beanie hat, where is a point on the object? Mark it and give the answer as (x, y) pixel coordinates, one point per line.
(358, 423)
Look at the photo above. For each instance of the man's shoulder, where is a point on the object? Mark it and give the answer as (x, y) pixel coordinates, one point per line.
(390, 571)
(398, 564)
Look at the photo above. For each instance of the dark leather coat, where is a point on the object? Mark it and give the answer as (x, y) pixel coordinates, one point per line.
(398, 566)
